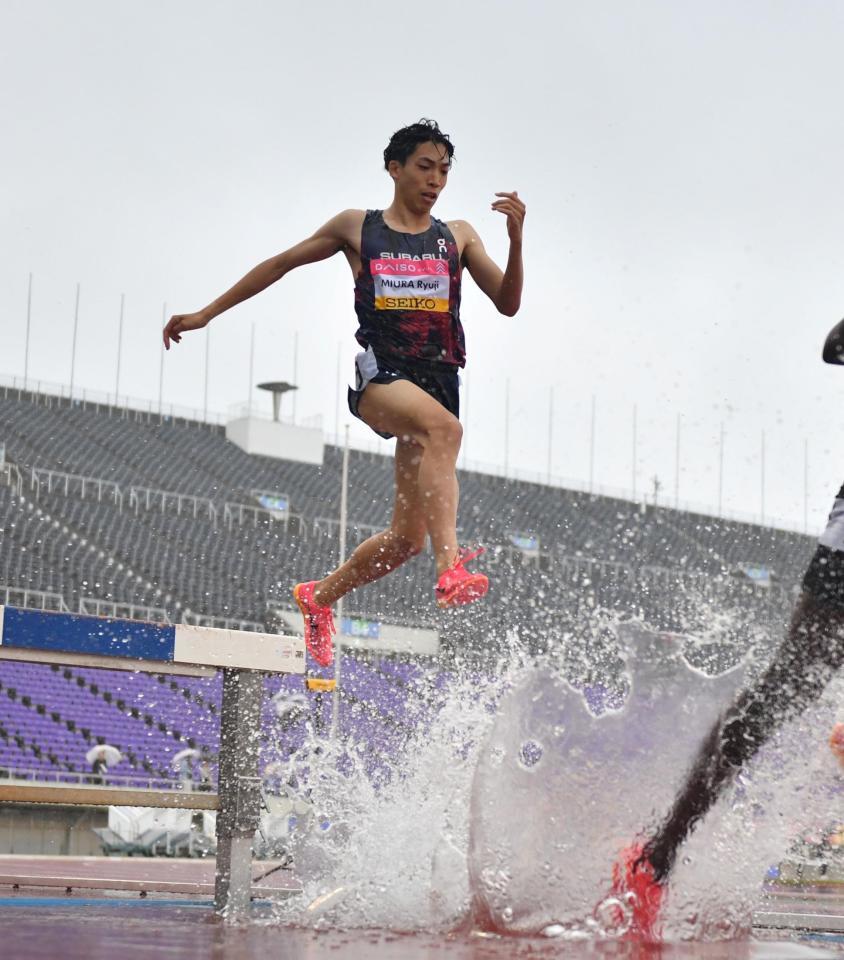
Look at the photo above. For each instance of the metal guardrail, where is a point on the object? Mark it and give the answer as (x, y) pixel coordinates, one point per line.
(126, 611)
(242, 513)
(11, 476)
(67, 483)
(330, 526)
(13, 596)
(154, 498)
(221, 623)
(105, 779)
(139, 497)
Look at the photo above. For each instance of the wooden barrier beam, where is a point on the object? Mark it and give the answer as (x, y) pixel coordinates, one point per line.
(91, 796)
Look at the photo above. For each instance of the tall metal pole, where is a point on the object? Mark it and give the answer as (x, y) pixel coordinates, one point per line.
(721, 469)
(119, 349)
(161, 362)
(507, 427)
(207, 365)
(635, 451)
(295, 370)
(251, 370)
(464, 411)
(28, 324)
(550, 430)
(338, 641)
(337, 396)
(805, 485)
(73, 350)
(677, 467)
(762, 479)
(592, 447)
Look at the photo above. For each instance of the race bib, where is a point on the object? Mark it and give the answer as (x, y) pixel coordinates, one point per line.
(411, 284)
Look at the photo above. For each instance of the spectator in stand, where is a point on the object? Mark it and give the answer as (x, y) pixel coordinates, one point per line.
(98, 768)
(185, 773)
(204, 775)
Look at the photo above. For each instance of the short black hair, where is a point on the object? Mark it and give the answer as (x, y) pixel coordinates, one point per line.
(403, 142)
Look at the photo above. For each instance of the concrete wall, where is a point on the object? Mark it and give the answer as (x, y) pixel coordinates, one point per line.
(55, 830)
(270, 438)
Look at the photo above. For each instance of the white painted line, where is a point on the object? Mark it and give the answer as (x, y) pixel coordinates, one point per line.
(239, 649)
(799, 921)
(2, 608)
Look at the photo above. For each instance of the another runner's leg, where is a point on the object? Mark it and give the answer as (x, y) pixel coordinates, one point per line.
(802, 667)
(383, 552)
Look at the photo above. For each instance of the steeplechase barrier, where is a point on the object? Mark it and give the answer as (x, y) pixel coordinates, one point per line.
(180, 649)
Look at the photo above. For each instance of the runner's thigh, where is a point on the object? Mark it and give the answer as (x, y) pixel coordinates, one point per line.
(403, 409)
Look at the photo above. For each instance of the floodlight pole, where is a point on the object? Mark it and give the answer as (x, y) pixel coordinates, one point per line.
(805, 485)
(506, 428)
(337, 395)
(28, 322)
(295, 369)
(677, 467)
(338, 641)
(119, 348)
(635, 453)
(161, 362)
(251, 372)
(73, 349)
(207, 358)
(464, 403)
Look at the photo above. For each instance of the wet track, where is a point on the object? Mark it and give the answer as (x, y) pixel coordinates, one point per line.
(145, 917)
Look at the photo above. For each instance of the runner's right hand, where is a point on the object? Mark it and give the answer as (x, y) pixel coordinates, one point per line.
(179, 323)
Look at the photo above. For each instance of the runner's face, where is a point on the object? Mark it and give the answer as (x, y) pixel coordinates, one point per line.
(423, 177)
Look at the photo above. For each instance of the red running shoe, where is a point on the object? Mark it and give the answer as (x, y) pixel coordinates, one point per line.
(633, 875)
(457, 585)
(319, 624)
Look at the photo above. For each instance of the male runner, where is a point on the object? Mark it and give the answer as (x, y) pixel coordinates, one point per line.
(407, 269)
(811, 653)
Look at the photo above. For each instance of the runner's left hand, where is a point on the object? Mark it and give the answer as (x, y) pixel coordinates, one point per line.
(514, 209)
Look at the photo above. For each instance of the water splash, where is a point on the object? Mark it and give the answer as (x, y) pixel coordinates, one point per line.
(509, 808)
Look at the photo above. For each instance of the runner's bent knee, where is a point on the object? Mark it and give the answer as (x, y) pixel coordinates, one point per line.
(445, 431)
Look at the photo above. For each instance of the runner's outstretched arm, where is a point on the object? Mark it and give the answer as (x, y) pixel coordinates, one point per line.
(328, 240)
(504, 289)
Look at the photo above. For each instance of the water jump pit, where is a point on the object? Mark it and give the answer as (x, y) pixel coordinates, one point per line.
(494, 837)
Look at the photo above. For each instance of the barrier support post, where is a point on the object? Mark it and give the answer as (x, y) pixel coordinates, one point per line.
(239, 791)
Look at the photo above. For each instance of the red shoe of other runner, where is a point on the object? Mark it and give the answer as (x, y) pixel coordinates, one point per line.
(457, 585)
(319, 624)
(633, 874)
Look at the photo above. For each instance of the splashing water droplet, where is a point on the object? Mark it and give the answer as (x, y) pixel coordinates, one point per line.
(530, 753)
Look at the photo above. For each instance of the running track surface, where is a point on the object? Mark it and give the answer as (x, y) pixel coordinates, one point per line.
(45, 923)
(52, 929)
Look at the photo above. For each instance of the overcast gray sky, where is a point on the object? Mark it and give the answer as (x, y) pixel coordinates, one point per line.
(681, 163)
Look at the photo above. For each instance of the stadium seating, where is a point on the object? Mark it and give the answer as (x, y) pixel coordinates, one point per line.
(185, 558)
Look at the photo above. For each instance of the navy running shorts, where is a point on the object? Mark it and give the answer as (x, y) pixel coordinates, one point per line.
(442, 382)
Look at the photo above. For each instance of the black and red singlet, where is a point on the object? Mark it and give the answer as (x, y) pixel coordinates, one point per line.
(407, 294)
